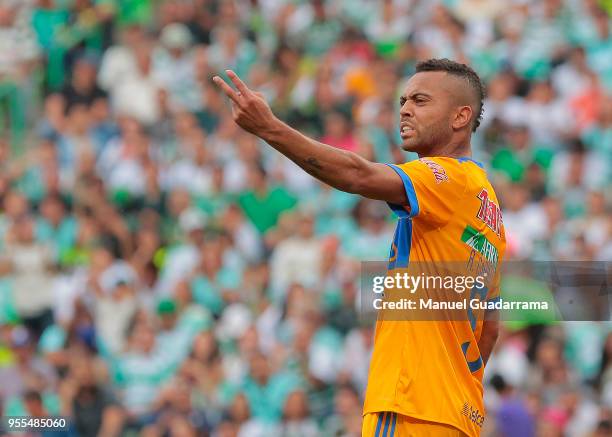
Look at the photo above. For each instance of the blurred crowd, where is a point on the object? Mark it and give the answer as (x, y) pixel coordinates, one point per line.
(162, 273)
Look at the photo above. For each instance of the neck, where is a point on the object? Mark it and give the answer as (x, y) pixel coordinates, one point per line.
(453, 149)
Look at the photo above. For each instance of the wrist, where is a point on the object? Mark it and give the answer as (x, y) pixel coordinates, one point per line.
(273, 131)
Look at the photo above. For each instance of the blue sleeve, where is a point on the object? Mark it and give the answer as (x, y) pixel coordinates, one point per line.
(410, 195)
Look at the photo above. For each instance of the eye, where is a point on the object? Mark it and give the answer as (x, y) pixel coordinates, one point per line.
(402, 101)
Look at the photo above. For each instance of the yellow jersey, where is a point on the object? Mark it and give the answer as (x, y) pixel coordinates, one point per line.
(432, 370)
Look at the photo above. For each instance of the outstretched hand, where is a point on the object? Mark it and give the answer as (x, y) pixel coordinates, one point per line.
(249, 108)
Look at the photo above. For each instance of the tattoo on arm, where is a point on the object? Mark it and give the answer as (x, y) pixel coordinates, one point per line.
(314, 164)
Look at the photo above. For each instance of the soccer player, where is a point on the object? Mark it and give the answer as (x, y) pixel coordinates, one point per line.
(425, 376)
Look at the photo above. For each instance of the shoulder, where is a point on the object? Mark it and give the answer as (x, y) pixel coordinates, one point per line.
(438, 170)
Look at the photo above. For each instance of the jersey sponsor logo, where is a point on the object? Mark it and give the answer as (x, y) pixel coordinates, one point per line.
(480, 243)
(489, 212)
(437, 170)
(472, 414)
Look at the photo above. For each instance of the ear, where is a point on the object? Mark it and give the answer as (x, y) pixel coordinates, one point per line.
(463, 117)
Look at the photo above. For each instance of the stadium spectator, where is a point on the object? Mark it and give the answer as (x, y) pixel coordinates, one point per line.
(162, 273)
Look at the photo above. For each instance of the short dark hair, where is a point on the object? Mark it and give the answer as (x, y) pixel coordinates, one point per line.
(459, 70)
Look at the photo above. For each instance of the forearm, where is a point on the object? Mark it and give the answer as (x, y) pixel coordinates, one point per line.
(339, 168)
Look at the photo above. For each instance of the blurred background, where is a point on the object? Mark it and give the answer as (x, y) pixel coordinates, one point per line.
(162, 273)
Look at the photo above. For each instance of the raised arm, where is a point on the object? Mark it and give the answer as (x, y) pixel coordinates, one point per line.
(341, 169)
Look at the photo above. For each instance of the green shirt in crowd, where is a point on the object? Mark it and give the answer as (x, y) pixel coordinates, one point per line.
(263, 209)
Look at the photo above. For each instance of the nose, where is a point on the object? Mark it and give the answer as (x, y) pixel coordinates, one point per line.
(406, 110)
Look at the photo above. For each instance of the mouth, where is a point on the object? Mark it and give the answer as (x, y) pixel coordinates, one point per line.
(406, 130)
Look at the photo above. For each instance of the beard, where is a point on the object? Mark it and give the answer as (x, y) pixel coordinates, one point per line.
(425, 139)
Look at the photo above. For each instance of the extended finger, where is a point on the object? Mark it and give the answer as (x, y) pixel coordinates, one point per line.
(244, 90)
(228, 90)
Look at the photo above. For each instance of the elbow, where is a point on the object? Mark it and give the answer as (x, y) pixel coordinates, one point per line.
(494, 337)
(492, 331)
